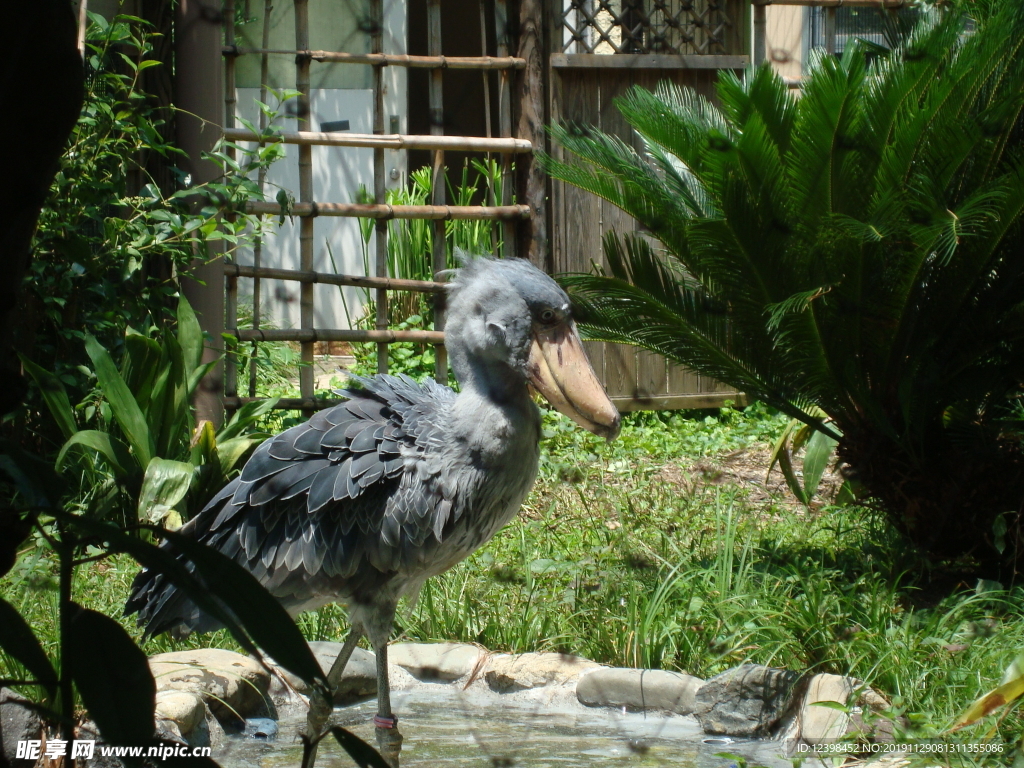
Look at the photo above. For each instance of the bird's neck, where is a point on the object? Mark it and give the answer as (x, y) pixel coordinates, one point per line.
(494, 406)
(497, 382)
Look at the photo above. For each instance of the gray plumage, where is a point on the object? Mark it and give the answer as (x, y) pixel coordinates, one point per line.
(367, 499)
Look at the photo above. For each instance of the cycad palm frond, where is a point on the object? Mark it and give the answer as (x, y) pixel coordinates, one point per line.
(859, 249)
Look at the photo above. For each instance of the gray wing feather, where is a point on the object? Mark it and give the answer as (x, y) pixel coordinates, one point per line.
(319, 502)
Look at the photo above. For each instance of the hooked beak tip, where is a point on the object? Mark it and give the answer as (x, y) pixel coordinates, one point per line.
(560, 371)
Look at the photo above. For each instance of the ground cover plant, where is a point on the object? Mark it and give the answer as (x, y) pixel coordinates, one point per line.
(856, 249)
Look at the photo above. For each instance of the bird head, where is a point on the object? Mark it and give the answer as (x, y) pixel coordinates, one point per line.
(509, 324)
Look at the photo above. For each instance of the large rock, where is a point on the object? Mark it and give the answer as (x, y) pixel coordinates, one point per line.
(435, 662)
(746, 701)
(358, 680)
(505, 673)
(17, 723)
(639, 689)
(233, 686)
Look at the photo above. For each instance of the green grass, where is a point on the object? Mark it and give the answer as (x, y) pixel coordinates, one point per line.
(612, 560)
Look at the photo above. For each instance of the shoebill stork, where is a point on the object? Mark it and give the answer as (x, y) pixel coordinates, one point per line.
(368, 499)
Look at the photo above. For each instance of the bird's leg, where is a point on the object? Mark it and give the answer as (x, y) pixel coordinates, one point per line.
(338, 668)
(389, 740)
(319, 708)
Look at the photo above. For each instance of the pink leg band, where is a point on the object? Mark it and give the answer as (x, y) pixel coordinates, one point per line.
(385, 722)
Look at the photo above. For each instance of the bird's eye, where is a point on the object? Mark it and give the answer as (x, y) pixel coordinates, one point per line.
(548, 316)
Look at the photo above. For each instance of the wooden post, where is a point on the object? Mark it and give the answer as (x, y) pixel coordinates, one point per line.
(439, 256)
(198, 83)
(490, 198)
(257, 249)
(485, 74)
(306, 311)
(532, 179)
(505, 122)
(231, 299)
(830, 30)
(380, 182)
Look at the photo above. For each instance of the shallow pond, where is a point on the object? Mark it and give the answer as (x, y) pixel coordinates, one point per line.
(470, 733)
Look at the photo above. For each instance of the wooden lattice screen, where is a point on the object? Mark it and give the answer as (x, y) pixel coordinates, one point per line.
(673, 27)
(307, 208)
(600, 49)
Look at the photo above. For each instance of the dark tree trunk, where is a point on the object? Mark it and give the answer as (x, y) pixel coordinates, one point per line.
(531, 97)
(40, 77)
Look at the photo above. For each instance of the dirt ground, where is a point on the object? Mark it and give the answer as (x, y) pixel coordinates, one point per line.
(748, 469)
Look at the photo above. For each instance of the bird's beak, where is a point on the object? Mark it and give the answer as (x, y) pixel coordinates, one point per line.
(559, 370)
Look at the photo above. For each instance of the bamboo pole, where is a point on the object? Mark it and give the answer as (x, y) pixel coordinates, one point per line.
(387, 211)
(306, 308)
(380, 182)
(396, 59)
(230, 104)
(439, 257)
(505, 122)
(311, 335)
(329, 278)
(257, 250)
(647, 61)
(390, 141)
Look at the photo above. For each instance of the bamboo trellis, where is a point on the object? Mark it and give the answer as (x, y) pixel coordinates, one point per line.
(307, 208)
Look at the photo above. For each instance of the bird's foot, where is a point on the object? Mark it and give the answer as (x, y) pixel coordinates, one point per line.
(319, 714)
(385, 722)
(389, 741)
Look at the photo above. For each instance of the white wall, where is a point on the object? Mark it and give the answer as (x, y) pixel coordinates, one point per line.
(337, 174)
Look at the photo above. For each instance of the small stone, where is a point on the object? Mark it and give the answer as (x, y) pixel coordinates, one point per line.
(232, 685)
(358, 681)
(817, 723)
(639, 689)
(746, 701)
(184, 708)
(17, 723)
(505, 673)
(168, 730)
(442, 662)
(260, 728)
